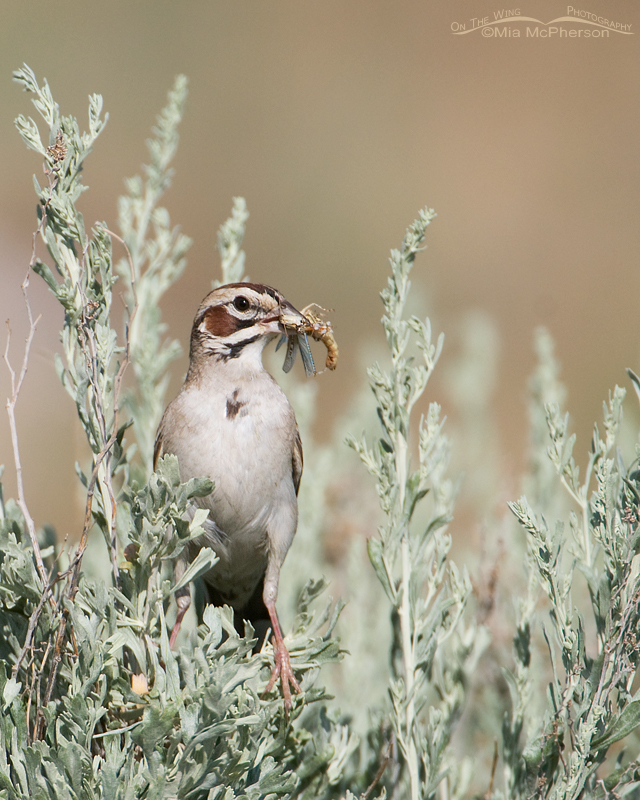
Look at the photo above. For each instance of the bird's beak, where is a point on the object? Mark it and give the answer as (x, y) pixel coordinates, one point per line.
(288, 320)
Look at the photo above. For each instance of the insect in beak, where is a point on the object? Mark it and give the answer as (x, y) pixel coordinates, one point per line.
(295, 341)
(296, 326)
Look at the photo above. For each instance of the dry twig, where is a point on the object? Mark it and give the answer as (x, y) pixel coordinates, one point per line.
(16, 386)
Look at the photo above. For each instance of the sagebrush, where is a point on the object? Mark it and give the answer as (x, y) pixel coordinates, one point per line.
(96, 704)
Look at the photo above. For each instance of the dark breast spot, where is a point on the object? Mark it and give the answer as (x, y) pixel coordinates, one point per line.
(234, 405)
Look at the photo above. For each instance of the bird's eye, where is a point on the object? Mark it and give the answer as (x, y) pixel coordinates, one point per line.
(241, 303)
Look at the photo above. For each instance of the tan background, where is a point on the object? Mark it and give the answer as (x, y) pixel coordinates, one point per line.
(337, 121)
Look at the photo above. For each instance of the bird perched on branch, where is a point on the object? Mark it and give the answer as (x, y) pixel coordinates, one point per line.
(232, 423)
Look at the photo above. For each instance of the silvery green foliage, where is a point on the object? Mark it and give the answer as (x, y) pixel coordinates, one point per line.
(93, 702)
(230, 238)
(426, 591)
(94, 360)
(545, 389)
(201, 725)
(540, 484)
(156, 258)
(591, 702)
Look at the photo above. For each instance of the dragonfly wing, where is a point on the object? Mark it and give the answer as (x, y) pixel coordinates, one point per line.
(291, 353)
(305, 352)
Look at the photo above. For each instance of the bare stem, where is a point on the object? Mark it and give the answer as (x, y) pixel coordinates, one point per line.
(16, 386)
(33, 621)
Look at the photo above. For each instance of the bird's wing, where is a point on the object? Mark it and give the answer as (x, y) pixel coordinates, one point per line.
(296, 460)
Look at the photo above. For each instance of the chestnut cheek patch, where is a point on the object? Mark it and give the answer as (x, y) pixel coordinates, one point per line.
(219, 322)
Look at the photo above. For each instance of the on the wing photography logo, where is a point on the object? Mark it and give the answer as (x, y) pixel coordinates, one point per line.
(510, 23)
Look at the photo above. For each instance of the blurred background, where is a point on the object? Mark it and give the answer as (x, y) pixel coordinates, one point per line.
(337, 121)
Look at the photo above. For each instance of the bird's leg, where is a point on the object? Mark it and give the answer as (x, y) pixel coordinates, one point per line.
(282, 667)
(183, 599)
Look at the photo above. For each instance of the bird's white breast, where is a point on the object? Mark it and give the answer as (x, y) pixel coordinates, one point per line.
(240, 433)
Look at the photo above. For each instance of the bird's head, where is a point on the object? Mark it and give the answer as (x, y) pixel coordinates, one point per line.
(237, 320)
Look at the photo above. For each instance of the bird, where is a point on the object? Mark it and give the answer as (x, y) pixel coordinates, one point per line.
(232, 423)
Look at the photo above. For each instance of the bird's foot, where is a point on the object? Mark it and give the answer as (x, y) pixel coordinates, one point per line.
(282, 669)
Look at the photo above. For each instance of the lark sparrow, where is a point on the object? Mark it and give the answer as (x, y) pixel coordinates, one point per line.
(231, 422)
